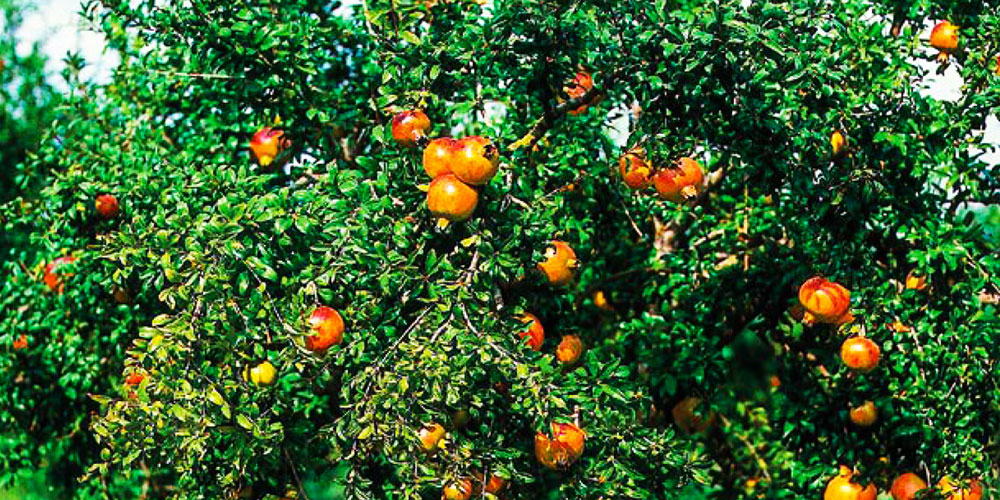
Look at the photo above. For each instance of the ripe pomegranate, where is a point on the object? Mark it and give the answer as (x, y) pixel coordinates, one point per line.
(864, 415)
(439, 155)
(267, 144)
(680, 182)
(953, 491)
(580, 85)
(915, 281)
(601, 301)
(560, 263)
(825, 301)
(107, 206)
(569, 350)
(134, 379)
(451, 199)
(535, 334)
(263, 374)
(494, 485)
(906, 486)
(328, 329)
(21, 342)
(458, 490)
(842, 488)
(997, 70)
(860, 354)
(635, 169)
(476, 160)
(54, 277)
(944, 37)
(688, 420)
(838, 144)
(410, 127)
(430, 437)
(562, 449)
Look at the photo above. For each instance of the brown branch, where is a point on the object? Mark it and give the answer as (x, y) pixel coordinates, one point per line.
(295, 473)
(546, 122)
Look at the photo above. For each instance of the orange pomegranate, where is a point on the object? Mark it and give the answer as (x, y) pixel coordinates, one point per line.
(562, 449)
(107, 206)
(825, 301)
(55, 277)
(580, 85)
(535, 334)
(842, 488)
(864, 415)
(906, 486)
(944, 37)
(430, 437)
(601, 301)
(439, 155)
(997, 70)
(690, 421)
(21, 342)
(860, 354)
(494, 485)
(134, 379)
(915, 281)
(680, 182)
(328, 329)
(838, 144)
(635, 169)
(451, 199)
(476, 160)
(954, 491)
(410, 127)
(560, 263)
(569, 350)
(458, 490)
(267, 144)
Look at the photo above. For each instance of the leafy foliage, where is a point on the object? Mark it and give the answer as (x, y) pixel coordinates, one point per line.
(222, 261)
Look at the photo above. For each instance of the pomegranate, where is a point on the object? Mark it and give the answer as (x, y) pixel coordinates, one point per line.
(635, 169)
(580, 85)
(451, 199)
(953, 491)
(55, 277)
(410, 127)
(864, 415)
(569, 350)
(906, 486)
(439, 155)
(842, 488)
(560, 263)
(562, 449)
(825, 301)
(267, 144)
(431, 436)
(476, 160)
(535, 334)
(680, 182)
(107, 206)
(328, 329)
(944, 37)
(860, 354)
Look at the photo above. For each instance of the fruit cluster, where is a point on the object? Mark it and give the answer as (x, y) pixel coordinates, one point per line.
(680, 182)
(906, 486)
(457, 167)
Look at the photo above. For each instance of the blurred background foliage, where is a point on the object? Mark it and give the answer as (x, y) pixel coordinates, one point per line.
(218, 262)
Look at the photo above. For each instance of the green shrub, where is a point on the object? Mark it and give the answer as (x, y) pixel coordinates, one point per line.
(223, 261)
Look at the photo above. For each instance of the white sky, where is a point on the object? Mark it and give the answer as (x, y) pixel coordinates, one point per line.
(57, 24)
